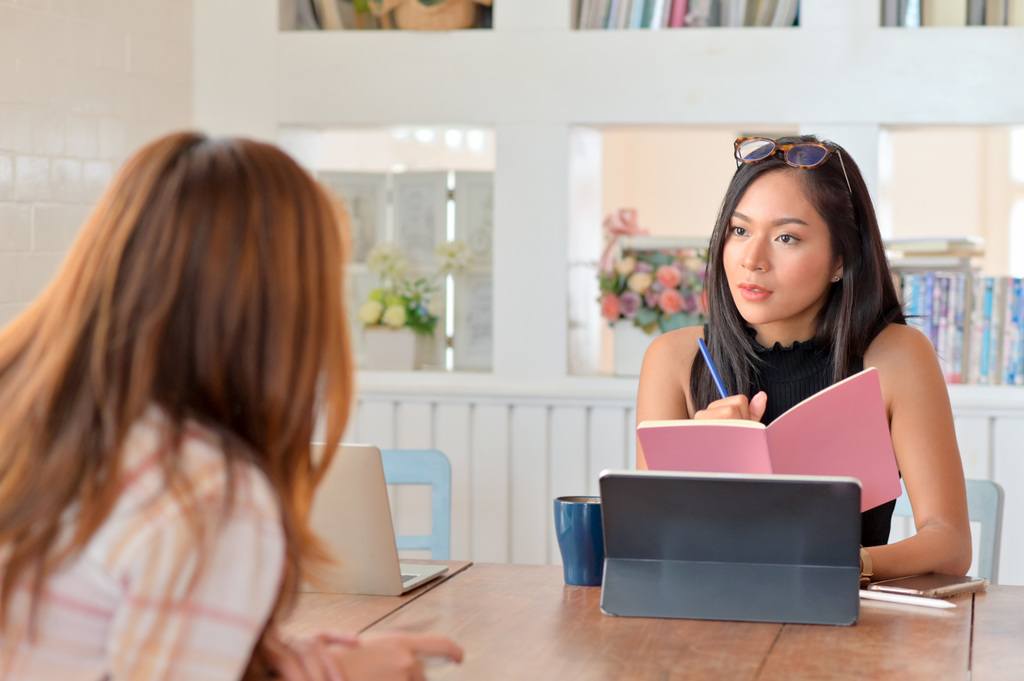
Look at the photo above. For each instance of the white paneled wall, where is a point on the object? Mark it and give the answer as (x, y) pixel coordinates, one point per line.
(513, 449)
(82, 83)
(510, 458)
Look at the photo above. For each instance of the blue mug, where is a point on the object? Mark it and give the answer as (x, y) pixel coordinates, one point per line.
(580, 539)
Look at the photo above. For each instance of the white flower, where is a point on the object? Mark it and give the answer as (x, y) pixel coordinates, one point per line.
(394, 316)
(455, 257)
(639, 282)
(694, 264)
(370, 312)
(626, 266)
(387, 260)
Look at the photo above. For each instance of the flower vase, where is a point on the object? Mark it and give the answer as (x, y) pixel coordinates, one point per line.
(629, 345)
(389, 349)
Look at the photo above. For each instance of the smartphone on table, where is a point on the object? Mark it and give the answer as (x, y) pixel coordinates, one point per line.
(932, 585)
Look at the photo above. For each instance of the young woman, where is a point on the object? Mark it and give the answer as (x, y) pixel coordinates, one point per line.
(158, 403)
(799, 297)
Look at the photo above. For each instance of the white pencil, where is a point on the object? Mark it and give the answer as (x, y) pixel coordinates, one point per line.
(908, 600)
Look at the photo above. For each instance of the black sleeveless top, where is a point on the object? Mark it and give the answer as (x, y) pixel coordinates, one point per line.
(790, 375)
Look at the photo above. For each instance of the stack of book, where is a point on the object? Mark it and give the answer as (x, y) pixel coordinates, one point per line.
(975, 323)
(657, 14)
(914, 13)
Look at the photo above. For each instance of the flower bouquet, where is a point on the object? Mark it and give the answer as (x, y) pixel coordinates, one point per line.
(657, 289)
(403, 302)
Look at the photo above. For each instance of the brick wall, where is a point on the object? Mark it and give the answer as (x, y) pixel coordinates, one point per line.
(82, 84)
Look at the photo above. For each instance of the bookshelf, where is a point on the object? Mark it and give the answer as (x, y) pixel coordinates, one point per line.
(541, 86)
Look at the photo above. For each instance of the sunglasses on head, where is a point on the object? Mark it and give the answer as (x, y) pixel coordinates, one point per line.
(803, 155)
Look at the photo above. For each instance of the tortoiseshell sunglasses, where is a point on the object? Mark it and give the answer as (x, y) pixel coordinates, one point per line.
(804, 155)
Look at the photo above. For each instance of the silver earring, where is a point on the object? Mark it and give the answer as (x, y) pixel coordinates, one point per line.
(836, 278)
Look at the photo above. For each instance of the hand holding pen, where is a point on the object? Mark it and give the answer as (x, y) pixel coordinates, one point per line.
(729, 406)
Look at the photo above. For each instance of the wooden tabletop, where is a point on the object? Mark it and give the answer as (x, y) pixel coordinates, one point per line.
(352, 613)
(519, 622)
(998, 635)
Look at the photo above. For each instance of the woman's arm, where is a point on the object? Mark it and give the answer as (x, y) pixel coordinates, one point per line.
(921, 423)
(664, 391)
(664, 380)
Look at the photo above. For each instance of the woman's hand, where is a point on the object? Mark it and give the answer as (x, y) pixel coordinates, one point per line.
(736, 407)
(394, 656)
(372, 657)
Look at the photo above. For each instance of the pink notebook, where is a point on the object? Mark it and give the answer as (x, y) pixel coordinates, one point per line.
(842, 430)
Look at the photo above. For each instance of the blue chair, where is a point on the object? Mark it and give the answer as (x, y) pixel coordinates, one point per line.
(424, 467)
(984, 506)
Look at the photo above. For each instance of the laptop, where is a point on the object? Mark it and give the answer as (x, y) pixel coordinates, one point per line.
(352, 515)
(754, 548)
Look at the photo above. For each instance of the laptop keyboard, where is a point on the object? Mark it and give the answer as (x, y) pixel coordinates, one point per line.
(406, 578)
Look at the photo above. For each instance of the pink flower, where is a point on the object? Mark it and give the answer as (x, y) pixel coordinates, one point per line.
(669, 276)
(651, 298)
(670, 301)
(610, 307)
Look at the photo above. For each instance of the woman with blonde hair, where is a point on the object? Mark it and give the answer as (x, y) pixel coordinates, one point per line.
(159, 402)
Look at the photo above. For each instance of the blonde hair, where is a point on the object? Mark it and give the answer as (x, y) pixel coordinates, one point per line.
(207, 281)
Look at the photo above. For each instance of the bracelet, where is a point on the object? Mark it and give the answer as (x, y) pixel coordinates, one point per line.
(866, 571)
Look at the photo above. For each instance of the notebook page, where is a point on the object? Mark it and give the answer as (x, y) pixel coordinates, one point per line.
(842, 430)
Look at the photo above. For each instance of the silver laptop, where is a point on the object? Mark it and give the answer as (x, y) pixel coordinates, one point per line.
(352, 515)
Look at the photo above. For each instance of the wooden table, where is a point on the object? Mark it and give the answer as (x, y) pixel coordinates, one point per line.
(352, 613)
(520, 622)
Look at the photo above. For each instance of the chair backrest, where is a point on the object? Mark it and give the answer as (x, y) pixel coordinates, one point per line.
(424, 467)
(984, 506)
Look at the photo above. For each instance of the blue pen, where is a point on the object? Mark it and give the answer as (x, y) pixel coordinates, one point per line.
(715, 376)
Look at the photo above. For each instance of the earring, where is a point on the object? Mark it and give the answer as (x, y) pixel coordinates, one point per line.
(836, 278)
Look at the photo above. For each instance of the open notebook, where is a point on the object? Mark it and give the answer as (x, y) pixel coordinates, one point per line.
(842, 430)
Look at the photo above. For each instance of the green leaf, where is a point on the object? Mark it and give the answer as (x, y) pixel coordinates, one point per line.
(674, 321)
(646, 317)
(658, 259)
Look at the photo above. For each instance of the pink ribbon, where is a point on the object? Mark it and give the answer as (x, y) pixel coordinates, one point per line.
(622, 222)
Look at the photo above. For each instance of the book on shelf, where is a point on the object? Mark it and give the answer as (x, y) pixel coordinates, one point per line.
(914, 13)
(841, 430)
(944, 12)
(677, 17)
(995, 12)
(910, 13)
(659, 14)
(975, 12)
(1015, 13)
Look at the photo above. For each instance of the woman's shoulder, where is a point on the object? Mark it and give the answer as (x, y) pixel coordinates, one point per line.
(664, 391)
(899, 344)
(201, 463)
(905, 360)
(675, 348)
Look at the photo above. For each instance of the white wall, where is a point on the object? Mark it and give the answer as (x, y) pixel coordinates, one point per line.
(82, 84)
(674, 176)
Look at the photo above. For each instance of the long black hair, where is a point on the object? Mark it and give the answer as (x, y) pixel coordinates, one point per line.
(858, 306)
